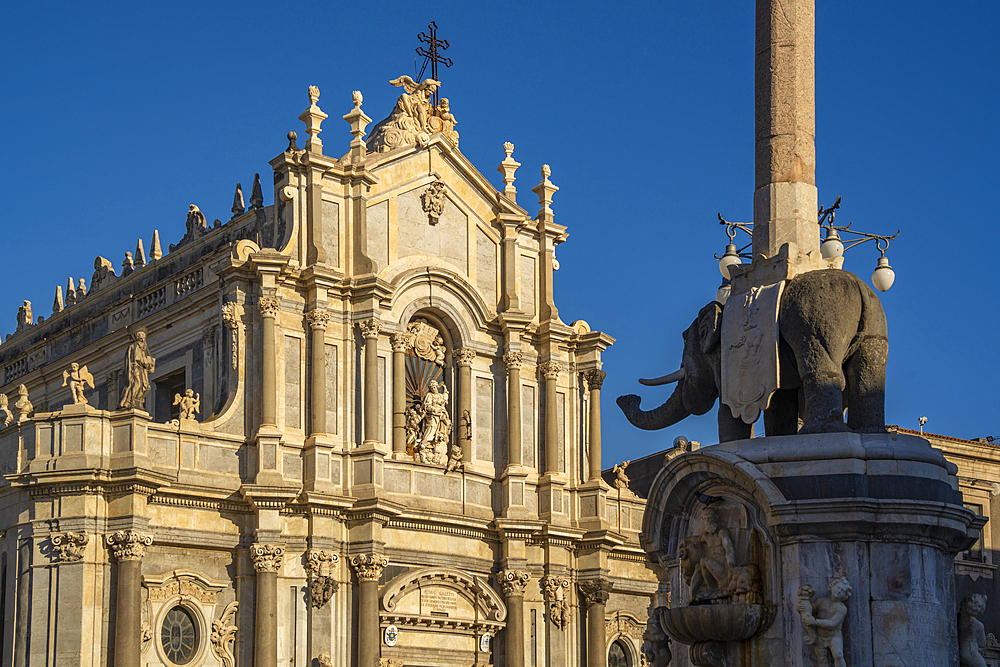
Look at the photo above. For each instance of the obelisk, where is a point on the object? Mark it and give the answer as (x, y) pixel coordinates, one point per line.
(784, 200)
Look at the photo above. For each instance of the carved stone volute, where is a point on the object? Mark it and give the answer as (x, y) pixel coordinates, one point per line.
(513, 582)
(129, 544)
(267, 557)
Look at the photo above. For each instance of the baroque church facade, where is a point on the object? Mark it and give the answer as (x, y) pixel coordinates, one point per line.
(347, 428)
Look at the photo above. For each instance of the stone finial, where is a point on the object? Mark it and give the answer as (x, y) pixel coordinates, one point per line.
(69, 547)
(77, 377)
(155, 252)
(238, 205)
(24, 317)
(545, 190)
(129, 544)
(358, 121)
(267, 557)
(71, 293)
(7, 416)
(292, 146)
(128, 264)
(513, 582)
(190, 404)
(508, 167)
(313, 117)
(257, 194)
(139, 258)
(57, 303)
(369, 567)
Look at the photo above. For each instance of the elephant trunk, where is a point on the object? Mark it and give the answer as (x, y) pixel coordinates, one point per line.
(668, 414)
(676, 376)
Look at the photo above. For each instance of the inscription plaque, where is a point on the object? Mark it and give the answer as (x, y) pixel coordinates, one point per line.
(438, 601)
(910, 633)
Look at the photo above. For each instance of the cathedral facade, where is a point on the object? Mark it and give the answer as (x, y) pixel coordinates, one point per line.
(347, 428)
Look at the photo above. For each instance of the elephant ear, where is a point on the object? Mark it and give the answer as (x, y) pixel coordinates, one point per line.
(709, 326)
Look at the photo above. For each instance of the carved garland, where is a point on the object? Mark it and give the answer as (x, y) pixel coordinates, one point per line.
(129, 544)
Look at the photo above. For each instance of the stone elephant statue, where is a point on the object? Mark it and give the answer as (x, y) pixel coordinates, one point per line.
(832, 351)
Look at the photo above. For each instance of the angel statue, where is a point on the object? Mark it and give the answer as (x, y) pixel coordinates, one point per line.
(416, 101)
(190, 403)
(77, 377)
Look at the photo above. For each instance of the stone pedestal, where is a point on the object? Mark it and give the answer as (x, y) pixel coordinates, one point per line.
(882, 511)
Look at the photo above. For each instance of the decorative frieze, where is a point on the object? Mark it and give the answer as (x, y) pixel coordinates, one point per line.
(318, 319)
(266, 557)
(224, 635)
(555, 589)
(129, 544)
(370, 328)
(69, 547)
(183, 588)
(595, 591)
(513, 359)
(513, 582)
(369, 567)
(595, 379)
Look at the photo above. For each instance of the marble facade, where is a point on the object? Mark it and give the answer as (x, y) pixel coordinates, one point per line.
(367, 437)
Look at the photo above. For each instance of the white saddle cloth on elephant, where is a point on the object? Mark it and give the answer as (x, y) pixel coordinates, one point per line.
(750, 350)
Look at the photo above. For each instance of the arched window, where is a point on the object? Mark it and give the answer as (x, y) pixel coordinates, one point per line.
(179, 636)
(617, 655)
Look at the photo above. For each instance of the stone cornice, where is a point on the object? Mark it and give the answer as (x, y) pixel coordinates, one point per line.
(261, 496)
(373, 509)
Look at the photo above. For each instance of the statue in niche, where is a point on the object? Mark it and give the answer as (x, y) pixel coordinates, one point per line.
(435, 433)
(971, 633)
(77, 378)
(708, 562)
(823, 619)
(138, 365)
(190, 403)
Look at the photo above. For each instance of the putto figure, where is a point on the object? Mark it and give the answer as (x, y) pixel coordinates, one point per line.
(77, 377)
(971, 633)
(190, 404)
(823, 619)
(138, 365)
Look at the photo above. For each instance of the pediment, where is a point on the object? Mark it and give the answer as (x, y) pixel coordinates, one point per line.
(443, 593)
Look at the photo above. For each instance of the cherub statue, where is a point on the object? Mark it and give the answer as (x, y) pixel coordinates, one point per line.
(77, 378)
(971, 634)
(823, 619)
(416, 101)
(190, 403)
(454, 458)
(621, 479)
(8, 417)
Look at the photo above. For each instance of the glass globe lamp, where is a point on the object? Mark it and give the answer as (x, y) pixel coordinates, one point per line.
(731, 258)
(832, 246)
(884, 276)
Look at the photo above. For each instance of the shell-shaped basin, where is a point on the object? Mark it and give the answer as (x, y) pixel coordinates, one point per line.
(712, 622)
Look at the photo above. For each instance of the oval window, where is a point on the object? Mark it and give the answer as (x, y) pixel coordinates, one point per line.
(178, 636)
(617, 656)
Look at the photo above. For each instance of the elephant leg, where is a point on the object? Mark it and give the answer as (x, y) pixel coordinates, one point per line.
(732, 428)
(823, 384)
(782, 415)
(866, 386)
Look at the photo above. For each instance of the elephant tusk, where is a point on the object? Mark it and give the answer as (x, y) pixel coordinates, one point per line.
(666, 379)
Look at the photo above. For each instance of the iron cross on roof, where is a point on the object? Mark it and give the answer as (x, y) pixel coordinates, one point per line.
(432, 56)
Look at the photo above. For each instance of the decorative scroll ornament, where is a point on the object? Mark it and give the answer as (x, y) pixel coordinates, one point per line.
(369, 566)
(555, 593)
(69, 547)
(426, 341)
(514, 582)
(400, 342)
(224, 635)
(184, 588)
(267, 557)
(827, 639)
(595, 379)
(414, 118)
(231, 318)
(513, 359)
(370, 328)
(465, 356)
(322, 583)
(596, 591)
(433, 200)
(750, 350)
(129, 544)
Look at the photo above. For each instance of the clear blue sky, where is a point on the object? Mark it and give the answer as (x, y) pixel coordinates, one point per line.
(116, 116)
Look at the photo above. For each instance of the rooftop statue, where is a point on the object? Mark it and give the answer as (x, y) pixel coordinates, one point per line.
(414, 118)
(77, 378)
(138, 365)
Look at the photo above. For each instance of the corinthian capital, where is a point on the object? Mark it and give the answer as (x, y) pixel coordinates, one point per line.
(370, 328)
(129, 544)
(69, 547)
(551, 370)
(595, 378)
(369, 566)
(318, 319)
(595, 591)
(513, 581)
(465, 356)
(513, 359)
(267, 557)
(400, 341)
(269, 306)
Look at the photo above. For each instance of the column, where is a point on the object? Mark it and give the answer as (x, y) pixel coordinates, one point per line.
(514, 582)
(513, 360)
(785, 199)
(128, 548)
(399, 342)
(464, 358)
(208, 371)
(550, 370)
(369, 568)
(595, 595)
(318, 319)
(370, 330)
(266, 561)
(269, 306)
(595, 379)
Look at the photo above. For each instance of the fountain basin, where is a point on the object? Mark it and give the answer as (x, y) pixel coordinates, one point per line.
(712, 622)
